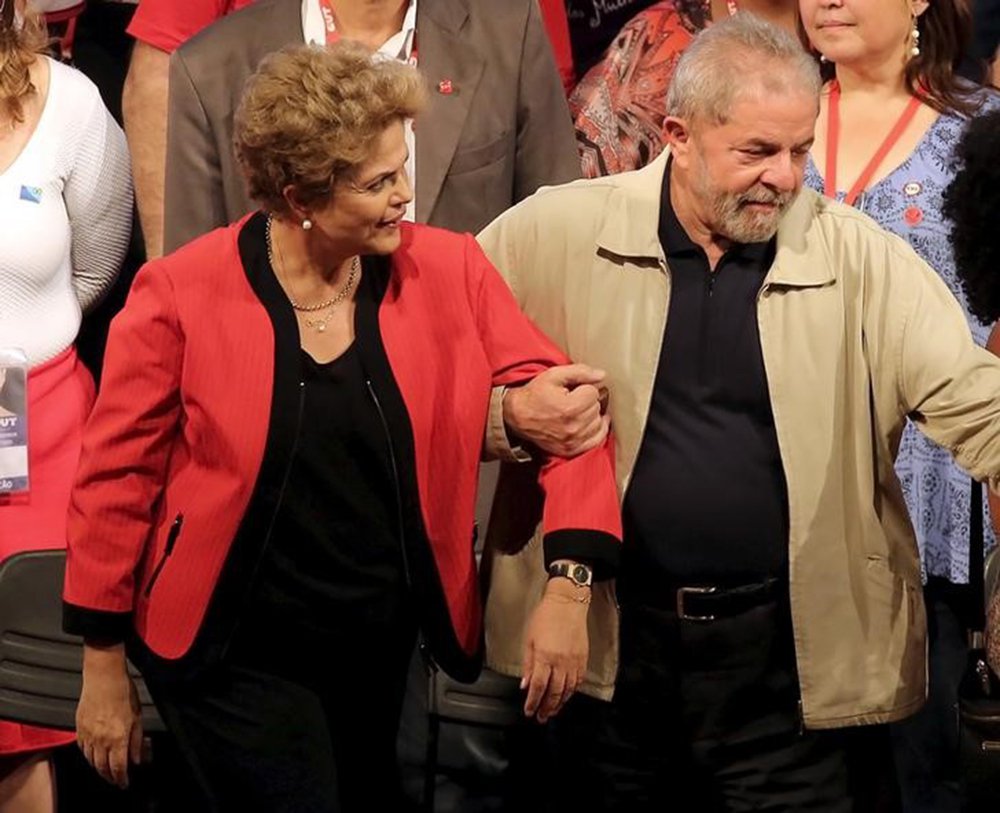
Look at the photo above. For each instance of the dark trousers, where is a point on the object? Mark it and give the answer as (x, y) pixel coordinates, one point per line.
(257, 740)
(925, 746)
(706, 718)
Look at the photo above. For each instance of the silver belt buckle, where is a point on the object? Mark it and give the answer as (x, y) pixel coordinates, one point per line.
(684, 591)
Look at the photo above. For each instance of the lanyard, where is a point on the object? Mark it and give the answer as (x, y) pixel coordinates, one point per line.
(332, 35)
(833, 140)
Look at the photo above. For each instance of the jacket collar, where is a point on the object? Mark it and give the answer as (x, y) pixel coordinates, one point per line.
(802, 259)
(447, 14)
(631, 228)
(632, 216)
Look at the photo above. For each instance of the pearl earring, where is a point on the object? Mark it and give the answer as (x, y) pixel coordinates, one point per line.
(307, 224)
(915, 39)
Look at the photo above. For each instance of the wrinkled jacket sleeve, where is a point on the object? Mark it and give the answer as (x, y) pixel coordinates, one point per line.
(581, 517)
(126, 447)
(949, 386)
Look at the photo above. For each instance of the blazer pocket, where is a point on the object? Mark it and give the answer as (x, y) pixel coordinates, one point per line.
(172, 535)
(473, 158)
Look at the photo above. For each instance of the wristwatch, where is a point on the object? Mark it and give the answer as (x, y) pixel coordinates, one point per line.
(580, 575)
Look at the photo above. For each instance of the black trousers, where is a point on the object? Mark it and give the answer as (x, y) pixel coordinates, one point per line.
(925, 746)
(316, 738)
(706, 718)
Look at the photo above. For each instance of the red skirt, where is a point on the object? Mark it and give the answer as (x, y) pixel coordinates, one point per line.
(60, 396)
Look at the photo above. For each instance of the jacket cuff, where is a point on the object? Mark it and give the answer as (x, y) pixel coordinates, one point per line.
(598, 549)
(100, 625)
(498, 445)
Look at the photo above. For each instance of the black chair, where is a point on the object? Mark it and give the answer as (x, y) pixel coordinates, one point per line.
(493, 701)
(40, 665)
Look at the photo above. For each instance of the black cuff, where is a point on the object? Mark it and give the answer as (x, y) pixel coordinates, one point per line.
(595, 548)
(97, 625)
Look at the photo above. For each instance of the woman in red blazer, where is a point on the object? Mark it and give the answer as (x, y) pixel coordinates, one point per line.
(277, 486)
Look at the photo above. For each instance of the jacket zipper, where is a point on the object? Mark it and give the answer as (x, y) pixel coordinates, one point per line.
(407, 575)
(172, 534)
(395, 482)
(763, 293)
(274, 516)
(652, 386)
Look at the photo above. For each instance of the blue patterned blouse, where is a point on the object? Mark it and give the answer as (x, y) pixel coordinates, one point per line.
(907, 202)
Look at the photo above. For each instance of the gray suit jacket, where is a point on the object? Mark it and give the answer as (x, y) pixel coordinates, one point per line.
(502, 133)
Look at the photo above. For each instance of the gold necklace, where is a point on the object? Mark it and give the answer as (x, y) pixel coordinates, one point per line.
(332, 302)
(320, 324)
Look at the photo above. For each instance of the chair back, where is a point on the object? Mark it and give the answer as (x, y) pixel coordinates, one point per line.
(40, 665)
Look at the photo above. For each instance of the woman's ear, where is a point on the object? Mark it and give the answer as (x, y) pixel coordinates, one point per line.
(297, 210)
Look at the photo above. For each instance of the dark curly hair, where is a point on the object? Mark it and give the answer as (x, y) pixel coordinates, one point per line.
(972, 204)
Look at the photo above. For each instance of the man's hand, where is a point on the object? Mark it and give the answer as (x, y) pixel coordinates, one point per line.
(555, 648)
(108, 720)
(560, 410)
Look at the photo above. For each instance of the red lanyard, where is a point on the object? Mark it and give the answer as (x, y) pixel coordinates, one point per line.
(833, 140)
(329, 22)
(332, 35)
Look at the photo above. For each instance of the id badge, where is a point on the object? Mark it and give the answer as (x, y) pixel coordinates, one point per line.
(13, 421)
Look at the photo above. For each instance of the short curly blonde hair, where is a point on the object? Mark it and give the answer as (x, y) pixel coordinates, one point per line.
(311, 114)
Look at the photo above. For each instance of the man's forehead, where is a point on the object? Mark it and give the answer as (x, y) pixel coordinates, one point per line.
(788, 110)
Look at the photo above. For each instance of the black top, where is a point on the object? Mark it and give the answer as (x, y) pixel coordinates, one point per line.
(707, 501)
(333, 571)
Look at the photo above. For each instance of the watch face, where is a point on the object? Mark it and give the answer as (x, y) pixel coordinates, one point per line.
(581, 574)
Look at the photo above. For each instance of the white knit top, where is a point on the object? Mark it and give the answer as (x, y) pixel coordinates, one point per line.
(65, 218)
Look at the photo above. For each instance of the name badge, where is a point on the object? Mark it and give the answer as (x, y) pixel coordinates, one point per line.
(13, 421)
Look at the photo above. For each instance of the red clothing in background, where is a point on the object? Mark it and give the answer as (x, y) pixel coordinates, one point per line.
(60, 395)
(168, 24)
(557, 28)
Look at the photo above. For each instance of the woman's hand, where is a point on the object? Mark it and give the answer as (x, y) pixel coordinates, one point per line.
(108, 719)
(555, 648)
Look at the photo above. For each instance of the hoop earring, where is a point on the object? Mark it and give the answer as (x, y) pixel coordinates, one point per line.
(307, 224)
(915, 38)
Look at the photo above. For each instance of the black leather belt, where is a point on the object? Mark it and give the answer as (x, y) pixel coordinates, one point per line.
(703, 603)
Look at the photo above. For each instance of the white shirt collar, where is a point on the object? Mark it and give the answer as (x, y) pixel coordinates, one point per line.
(398, 46)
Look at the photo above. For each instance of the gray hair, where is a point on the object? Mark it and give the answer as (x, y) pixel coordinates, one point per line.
(731, 55)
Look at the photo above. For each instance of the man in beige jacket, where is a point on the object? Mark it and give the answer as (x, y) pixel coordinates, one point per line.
(763, 348)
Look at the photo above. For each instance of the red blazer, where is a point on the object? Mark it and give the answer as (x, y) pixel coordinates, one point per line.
(183, 453)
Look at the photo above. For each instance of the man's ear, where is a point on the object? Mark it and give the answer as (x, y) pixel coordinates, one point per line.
(677, 132)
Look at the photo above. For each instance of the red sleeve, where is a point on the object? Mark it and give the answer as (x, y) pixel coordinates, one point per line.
(557, 28)
(581, 518)
(168, 24)
(126, 446)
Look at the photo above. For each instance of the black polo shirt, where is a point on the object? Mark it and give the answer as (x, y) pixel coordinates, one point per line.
(707, 502)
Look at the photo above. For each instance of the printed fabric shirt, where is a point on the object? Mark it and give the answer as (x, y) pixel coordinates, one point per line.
(619, 105)
(907, 202)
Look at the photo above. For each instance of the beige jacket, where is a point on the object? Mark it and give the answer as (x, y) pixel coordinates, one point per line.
(857, 333)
